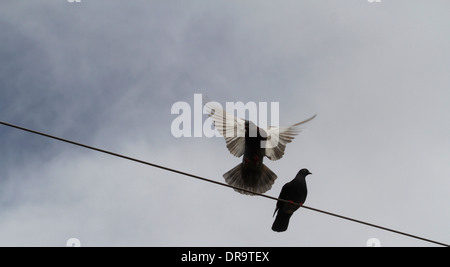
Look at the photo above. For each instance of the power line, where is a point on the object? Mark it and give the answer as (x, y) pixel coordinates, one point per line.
(219, 183)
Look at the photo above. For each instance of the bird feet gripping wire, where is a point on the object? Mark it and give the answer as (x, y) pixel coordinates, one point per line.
(293, 203)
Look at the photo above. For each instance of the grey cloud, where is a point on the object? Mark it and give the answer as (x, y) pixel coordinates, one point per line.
(107, 74)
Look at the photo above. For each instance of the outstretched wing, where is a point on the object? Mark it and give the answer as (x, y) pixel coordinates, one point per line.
(229, 126)
(278, 137)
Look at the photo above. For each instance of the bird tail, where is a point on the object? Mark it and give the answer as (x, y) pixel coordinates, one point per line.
(281, 221)
(258, 182)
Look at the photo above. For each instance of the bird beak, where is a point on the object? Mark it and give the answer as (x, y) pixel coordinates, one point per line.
(309, 172)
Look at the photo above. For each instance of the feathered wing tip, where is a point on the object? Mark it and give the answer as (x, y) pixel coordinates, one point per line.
(279, 137)
(258, 184)
(281, 222)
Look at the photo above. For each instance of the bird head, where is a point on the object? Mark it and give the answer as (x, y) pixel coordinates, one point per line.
(305, 172)
(252, 130)
(249, 124)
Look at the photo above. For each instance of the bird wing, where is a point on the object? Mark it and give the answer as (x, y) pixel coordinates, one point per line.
(229, 126)
(278, 137)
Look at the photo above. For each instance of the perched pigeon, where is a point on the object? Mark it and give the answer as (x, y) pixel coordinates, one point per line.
(243, 137)
(294, 191)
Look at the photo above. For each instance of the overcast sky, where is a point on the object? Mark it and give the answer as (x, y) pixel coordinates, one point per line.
(106, 73)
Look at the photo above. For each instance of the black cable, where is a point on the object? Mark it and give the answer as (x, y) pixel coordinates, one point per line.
(219, 183)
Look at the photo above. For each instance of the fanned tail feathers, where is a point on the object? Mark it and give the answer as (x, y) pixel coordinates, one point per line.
(258, 182)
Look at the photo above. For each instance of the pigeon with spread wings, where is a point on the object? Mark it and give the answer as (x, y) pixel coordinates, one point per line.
(243, 137)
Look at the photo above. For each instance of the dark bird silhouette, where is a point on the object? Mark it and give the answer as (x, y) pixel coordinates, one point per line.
(295, 191)
(243, 137)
